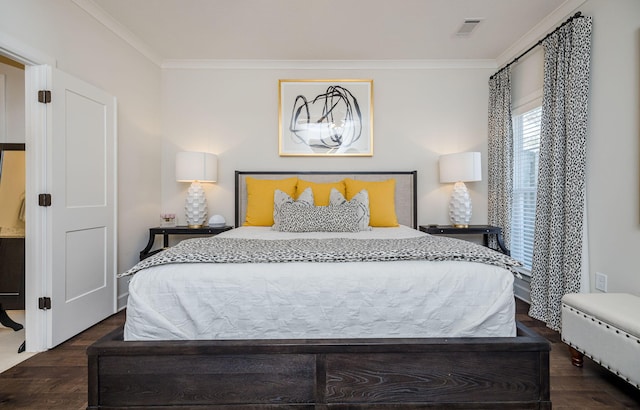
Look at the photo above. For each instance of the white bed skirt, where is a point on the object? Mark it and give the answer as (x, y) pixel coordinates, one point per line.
(198, 301)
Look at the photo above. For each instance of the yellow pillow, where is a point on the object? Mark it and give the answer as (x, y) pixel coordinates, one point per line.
(260, 198)
(382, 204)
(321, 190)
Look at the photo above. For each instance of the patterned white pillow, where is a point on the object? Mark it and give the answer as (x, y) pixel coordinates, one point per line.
(332, 218)
(360, 200)
(280, 198)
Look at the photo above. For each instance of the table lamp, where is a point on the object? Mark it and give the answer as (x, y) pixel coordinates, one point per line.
(460, 168)
(196, 167)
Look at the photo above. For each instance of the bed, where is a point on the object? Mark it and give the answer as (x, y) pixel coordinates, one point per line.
(476, 356)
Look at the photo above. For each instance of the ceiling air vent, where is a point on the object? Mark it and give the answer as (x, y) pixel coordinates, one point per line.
(467, 27)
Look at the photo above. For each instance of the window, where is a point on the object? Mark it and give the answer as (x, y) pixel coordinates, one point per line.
(526, 147)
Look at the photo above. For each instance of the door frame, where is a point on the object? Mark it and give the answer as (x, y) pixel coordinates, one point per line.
(38, 235)
(38, 227)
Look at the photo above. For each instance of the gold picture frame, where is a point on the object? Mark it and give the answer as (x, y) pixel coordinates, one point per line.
(325, 117)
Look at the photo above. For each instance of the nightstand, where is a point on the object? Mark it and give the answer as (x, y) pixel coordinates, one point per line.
(177, 230)
(484, 230)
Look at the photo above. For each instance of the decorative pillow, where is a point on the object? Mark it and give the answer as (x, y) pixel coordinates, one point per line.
(360, 200)
(280, 198)
(381, 199)
(340, 218)
(260, 194)
(321, 190)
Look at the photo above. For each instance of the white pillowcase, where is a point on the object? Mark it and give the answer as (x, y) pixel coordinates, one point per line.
(280, 198)
(360, 200)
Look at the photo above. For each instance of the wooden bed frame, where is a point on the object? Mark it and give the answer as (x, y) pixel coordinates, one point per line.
(470, 373)
(383, 374)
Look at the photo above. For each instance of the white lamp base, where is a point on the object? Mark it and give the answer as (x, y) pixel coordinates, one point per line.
(195, 206)
(460, 206)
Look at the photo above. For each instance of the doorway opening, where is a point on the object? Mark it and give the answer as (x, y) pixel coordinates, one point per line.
(12, 213)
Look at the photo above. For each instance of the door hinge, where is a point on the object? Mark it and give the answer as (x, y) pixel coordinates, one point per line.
(44, 199)
(44, 96)
(44, 303)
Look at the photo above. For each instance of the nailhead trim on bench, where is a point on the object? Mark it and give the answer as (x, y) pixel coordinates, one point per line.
(608, 326)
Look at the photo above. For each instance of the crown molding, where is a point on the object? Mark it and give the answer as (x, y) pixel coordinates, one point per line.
(328, 64)
(549, 23)
(97, 12)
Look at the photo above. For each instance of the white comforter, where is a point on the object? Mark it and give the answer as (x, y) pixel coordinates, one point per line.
(320, 300)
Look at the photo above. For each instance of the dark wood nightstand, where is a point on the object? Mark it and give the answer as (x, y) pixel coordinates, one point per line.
(177, 230)
(484, 230)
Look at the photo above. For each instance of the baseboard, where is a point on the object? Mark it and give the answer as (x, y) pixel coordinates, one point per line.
(122, 301)
(522, 288)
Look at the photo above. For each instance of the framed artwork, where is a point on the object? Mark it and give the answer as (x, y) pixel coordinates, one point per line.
(325, 118)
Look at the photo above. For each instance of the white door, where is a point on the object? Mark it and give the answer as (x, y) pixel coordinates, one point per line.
(80, 155)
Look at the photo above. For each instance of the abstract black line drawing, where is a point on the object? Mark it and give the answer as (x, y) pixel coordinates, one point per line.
(325, 117)
(337, 124)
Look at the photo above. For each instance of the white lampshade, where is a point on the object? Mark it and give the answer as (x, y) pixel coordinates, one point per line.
(196, 166)
(460, 167)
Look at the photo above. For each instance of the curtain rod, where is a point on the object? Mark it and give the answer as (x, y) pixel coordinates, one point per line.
(515, 60)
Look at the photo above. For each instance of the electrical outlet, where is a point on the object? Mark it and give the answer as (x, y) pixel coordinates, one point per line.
(601, 281)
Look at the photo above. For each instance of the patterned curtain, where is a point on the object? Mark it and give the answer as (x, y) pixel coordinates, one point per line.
(561, 173)
(500, 154)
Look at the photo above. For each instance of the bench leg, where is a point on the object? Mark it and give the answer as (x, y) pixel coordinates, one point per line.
(577, 358)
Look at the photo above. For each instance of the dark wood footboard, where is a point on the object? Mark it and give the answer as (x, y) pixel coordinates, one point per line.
(477, 373)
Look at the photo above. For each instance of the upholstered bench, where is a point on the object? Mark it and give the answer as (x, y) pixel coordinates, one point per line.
(606, 328)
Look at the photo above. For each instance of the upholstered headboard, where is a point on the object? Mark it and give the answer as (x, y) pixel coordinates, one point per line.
(405, 195)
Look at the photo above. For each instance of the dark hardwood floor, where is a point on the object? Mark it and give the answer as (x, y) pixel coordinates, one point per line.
(57, 379)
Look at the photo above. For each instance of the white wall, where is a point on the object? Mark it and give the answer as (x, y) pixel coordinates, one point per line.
(419, 113)
(613, 149)
(12, 130)
(86, 49)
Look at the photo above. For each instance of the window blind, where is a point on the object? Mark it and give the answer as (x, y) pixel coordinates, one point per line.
(526, 136)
